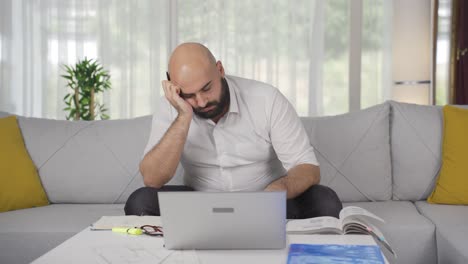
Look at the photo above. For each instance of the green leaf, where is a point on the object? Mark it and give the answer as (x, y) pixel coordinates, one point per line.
(68, 77)
(85, 75)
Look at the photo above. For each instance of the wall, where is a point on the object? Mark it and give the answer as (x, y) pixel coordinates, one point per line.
(412, 50)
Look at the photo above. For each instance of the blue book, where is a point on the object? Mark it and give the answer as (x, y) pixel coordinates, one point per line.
(334, 254)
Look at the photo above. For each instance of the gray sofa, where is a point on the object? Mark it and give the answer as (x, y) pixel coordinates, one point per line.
(384, 158)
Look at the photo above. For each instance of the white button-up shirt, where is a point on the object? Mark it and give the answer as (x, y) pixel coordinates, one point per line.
(257, 141)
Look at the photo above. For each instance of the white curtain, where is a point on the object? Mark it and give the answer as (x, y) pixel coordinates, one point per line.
(302, 47)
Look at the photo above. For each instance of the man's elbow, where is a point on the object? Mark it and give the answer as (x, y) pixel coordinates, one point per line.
(150, 183)
(316, 174)
(318, 177)
(148, 179)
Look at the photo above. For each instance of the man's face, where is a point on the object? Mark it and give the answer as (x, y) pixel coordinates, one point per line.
(216, 107)
(204, 87)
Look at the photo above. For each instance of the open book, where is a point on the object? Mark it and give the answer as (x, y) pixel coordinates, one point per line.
(352, 220)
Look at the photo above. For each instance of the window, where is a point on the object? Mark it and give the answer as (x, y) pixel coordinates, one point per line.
(442, 77)
(301, 47)
(320, 54)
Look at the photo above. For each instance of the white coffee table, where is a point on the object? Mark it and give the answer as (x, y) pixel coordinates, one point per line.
(107, 247)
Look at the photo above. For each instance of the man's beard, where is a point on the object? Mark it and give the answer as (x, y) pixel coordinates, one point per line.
(220, 106)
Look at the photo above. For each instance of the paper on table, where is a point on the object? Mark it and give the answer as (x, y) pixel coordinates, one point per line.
(108, 222)
(182, 257)
(130, 253)
(142, 254)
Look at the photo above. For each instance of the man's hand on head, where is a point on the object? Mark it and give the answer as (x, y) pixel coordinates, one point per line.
(172, 93)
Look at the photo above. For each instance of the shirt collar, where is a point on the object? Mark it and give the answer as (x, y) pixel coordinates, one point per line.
(233, 92)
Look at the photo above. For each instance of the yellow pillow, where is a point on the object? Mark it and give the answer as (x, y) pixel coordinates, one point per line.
(452, 184)
(20, 186)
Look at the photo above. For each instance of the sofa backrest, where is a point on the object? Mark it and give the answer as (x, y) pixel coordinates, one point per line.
(416, 136)
(87, 161)
(97, 161)
(353, 150)
(388, 151)
(416, 141)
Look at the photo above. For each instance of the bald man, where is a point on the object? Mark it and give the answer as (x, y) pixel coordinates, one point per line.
(229, 134)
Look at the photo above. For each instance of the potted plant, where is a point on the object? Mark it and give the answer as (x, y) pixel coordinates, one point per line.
(85, 79)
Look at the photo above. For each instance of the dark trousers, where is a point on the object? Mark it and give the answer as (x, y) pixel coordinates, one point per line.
(318, 200)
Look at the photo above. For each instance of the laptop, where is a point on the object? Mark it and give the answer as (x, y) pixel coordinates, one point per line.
(223, 220)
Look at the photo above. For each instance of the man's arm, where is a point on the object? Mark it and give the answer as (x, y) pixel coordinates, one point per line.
(159, 165)
(299, 179)
(292, 146)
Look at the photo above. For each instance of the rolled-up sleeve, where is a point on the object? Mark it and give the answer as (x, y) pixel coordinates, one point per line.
(288, 136)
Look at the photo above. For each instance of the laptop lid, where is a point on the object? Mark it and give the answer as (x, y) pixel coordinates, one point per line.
(223, 220)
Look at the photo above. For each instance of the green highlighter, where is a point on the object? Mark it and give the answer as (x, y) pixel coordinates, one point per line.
(131, 231)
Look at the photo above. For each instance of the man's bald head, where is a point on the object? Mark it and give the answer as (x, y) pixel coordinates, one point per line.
(190, 62)
(199, 80)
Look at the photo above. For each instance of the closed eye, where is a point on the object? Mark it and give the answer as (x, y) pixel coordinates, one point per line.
(186, 96)
(206, 89)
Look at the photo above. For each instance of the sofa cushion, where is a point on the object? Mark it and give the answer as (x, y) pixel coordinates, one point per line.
(354, 153)
(452, 183)
(27, 234)
(87, 161)
(20, 184)
(23, 248)
(451, 230)
(411, 235)
(56, 217)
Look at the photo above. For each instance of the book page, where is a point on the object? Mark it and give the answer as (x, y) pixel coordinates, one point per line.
(357, 225)
(108, 222)
(322, 224)
(354, 211)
